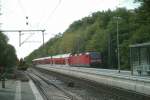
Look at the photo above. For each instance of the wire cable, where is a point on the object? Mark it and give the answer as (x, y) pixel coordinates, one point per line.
(52, 13)
(22, 8)
(26, 39)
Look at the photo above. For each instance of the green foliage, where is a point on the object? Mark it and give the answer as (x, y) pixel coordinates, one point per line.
(141, 35)
(8, 56)
(98, 32)
(3, 43)
(22, 64)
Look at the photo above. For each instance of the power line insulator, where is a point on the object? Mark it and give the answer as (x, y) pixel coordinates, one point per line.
(27, 17)
(27, 23)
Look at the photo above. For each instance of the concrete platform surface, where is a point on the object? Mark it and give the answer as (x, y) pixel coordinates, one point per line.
(133, 83)
(17, 90)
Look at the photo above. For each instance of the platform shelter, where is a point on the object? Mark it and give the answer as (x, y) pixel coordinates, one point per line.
(140, 59)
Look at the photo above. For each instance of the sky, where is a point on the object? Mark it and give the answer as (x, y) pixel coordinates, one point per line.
(54, 16)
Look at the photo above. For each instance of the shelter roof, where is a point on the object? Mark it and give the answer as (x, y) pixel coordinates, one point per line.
(147, 44)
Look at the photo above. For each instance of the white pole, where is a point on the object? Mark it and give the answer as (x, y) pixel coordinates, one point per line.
(118, 49)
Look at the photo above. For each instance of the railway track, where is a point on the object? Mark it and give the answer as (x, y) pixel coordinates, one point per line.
(39, 86)
(74, 95)
(105, 92)
(49, 90)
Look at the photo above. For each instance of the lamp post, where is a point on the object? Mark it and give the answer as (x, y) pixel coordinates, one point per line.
(118, 48)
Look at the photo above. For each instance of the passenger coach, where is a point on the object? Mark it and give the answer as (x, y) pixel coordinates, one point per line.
(89, 59)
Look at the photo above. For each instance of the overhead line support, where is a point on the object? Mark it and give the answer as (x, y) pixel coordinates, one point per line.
(20, 31)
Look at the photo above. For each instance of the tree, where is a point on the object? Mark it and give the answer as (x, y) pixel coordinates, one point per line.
(8, 56)
(98, 32)
(3, 43)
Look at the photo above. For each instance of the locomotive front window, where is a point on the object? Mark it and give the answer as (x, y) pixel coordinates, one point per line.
(95, 55)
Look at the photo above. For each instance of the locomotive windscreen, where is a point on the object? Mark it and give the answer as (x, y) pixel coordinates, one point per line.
(95, 55)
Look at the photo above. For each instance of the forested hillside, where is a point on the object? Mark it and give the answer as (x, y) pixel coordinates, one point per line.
(98, 32)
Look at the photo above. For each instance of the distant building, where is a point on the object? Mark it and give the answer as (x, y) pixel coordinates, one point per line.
(140, 59)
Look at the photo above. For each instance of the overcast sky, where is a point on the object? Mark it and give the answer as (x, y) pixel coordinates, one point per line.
(53, 15)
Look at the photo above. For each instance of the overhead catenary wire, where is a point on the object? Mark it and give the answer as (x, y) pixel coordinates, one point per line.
(39, 24)
(45, 22)
(51, 13)
(24, 13)
(27, 38)
(22, 8)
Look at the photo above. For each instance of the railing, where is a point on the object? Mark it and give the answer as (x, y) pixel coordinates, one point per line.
(148, 70)
(142, 69)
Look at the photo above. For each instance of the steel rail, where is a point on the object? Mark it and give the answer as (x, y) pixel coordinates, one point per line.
(70, 95)
(39, 86)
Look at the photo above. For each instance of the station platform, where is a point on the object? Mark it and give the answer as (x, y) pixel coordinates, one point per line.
(18, 90)
(123, 80)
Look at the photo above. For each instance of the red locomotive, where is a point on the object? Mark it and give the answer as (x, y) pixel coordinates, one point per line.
(89, 59)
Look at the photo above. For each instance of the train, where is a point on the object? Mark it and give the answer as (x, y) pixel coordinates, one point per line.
(88, 59)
